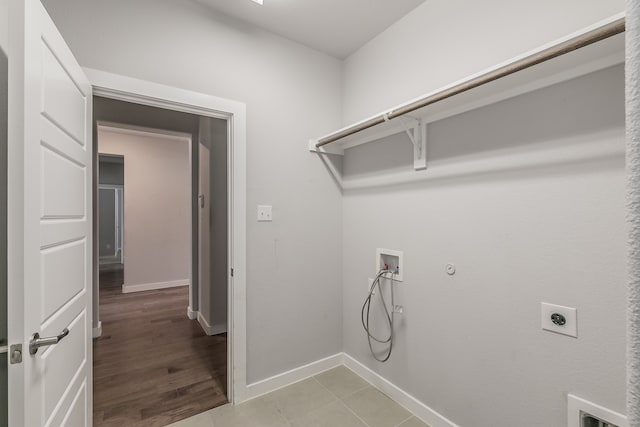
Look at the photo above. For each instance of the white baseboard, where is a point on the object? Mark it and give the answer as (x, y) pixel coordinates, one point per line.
(151, 286)
(413, 405)
(97, 331)
(191, 314)
(293, 376)
(214, 329)
(401, 397)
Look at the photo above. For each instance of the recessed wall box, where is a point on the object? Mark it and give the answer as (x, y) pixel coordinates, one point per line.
(393, 259)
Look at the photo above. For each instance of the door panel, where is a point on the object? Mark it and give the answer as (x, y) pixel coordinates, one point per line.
(63, 101)
(50, 222)
(60, 196)
(204, 233)
(63, 362)
(60, 142)
(61, 281)
(76, 415)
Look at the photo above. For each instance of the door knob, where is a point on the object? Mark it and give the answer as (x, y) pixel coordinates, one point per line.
(37, 342)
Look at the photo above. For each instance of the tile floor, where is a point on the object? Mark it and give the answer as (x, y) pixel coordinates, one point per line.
(335, 398)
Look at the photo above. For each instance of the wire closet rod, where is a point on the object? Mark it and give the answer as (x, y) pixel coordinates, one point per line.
(586, 39)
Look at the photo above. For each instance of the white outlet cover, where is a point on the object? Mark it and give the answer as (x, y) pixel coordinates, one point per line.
(570, 328)
(265, 213)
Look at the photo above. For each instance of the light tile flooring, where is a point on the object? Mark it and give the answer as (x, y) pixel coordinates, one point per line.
(335, 398)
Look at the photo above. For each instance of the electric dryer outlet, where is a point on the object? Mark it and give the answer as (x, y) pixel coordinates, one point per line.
(559, 319)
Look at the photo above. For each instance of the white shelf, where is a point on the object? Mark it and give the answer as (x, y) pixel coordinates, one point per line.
(597, 56)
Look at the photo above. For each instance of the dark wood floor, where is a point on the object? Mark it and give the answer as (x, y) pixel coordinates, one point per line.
(152, 365)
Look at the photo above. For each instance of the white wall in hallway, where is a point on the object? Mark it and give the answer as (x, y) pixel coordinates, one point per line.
(157, 205)
(532, 210)
(443, 41)
(292, 93)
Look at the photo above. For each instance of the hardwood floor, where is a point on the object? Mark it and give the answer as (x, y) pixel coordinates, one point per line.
(152, 365)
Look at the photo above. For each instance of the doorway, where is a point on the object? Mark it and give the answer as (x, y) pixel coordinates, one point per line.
(68, 363)
(111, 225)
(148, 250)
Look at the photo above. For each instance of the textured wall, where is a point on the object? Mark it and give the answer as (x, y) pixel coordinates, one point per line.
(527, 201)
(633, 210)
(443, 41)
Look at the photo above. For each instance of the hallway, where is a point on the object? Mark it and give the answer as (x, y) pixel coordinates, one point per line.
(152, 365)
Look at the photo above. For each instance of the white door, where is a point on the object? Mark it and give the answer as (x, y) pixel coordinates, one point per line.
(49, 228)
(204, 233)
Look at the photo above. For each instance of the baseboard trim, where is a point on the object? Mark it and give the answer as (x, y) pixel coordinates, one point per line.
(413, 405)
(214, 329)
(151, 286)
(293, 376)
(97, 331)
(191, 314)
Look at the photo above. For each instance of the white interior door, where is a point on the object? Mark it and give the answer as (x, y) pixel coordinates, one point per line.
(204, 233)
(49, 214)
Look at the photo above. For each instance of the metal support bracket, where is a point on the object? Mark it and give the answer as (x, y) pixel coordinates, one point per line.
(418, 136)
(324, 150)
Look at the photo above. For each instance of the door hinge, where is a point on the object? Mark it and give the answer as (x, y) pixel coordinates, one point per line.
(15, 354)
(232, 272)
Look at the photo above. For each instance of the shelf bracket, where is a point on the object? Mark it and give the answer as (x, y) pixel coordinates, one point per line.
(324, 150)
(417, 134)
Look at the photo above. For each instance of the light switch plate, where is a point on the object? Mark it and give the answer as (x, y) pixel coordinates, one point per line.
(568, 314)
(264, 213)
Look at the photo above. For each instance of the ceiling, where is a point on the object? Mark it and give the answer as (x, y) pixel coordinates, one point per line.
(337, 27)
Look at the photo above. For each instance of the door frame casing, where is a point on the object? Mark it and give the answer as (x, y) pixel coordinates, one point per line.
(123, 88)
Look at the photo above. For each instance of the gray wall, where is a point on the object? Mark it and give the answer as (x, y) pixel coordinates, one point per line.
(453, 39)
(292, 93)
(526, 198)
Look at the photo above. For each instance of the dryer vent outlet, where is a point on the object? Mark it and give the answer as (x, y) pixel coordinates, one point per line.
(583, 413)
(588, 420)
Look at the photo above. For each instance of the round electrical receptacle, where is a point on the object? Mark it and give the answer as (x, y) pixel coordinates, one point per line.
(450, 269)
